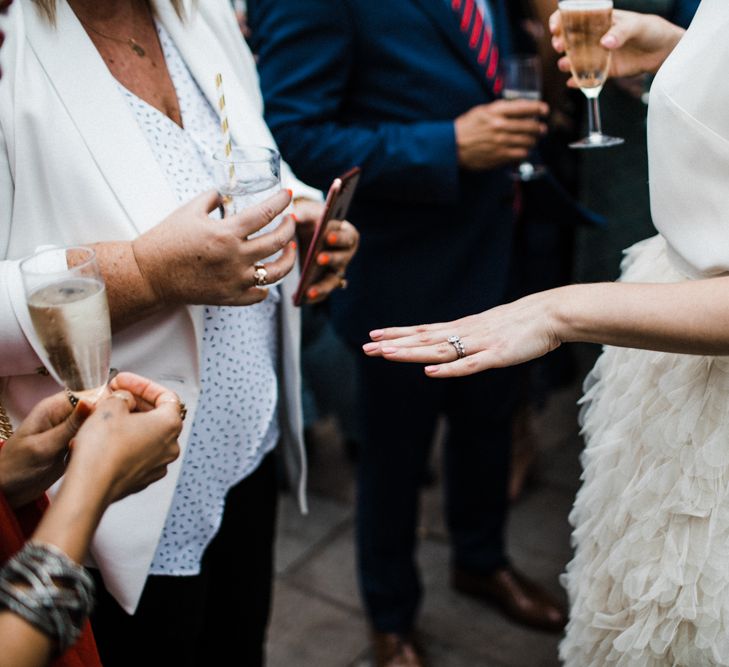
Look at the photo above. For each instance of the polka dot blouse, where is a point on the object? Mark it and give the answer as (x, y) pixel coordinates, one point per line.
(236, 422)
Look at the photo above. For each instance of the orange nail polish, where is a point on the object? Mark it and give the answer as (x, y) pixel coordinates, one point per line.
(291, 192)
(332, 238)
(293, 245)
(323, 259)
(313, 293)
(293, 216)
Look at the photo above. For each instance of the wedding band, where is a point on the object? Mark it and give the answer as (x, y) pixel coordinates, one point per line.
(458, 345)
(260, 275)
(343, 283)
(72, 398)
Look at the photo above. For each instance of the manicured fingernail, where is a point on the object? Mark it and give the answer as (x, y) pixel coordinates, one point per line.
(82, 410)
(389, 350)
(376, 334)
(370, 347)
(313, 293)
(293, 217)
(291, 192)
(332, 238)
(323, 259)
(293, 245)
(431, 370)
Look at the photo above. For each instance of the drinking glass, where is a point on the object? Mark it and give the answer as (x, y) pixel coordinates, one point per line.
(70, 315)
(247, 176)
(584, 22)
(523, 81)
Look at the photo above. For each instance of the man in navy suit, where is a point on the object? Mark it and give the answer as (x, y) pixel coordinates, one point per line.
(409, 91)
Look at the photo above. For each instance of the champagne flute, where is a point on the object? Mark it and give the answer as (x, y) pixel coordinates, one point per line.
(523, 81)
(584, 22)
(70, 315)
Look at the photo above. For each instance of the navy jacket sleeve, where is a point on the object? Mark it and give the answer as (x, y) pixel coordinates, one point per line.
(683, 12)
(307, 62)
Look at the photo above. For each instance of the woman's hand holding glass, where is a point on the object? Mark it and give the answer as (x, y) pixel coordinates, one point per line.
(34, 457)
(639, 43)
(190, 258)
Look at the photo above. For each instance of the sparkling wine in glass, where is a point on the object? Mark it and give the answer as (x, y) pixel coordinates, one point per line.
(584, 22)
(66, 298)
(523, 81)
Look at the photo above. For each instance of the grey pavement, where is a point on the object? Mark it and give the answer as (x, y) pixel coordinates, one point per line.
(317, 617)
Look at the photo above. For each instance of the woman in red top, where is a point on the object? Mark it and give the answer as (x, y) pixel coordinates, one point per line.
(121, 448)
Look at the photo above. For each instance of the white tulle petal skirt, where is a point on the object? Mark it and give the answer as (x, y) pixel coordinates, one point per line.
(649, 582)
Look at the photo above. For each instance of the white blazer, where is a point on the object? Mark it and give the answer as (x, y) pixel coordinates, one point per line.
(75, 168)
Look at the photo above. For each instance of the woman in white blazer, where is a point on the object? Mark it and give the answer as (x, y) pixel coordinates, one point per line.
(79, 165)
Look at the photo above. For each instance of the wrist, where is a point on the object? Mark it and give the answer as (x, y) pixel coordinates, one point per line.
(677, 33)
(143, 263)
(565, 314)
(11, 485)
(671, 35)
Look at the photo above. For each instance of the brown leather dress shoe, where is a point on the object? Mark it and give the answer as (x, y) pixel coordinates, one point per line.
(393, 650)
(517, 597)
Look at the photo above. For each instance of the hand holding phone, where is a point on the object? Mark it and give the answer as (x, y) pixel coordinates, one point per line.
(336, 207)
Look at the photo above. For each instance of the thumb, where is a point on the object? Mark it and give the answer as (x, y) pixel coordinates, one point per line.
(617, 36)
(206, 202)
(75, 420)
(59, 437)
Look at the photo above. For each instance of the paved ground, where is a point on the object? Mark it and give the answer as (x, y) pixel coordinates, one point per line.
(317, 618)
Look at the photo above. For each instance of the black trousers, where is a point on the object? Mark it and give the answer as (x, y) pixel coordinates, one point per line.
(187, 621)
(401, 406)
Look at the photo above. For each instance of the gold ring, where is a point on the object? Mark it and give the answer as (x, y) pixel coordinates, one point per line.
(343, 283)
(72, 398)
(260, 275)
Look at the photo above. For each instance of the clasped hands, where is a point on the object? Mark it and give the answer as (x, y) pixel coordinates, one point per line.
(190, 259)
(122, 445)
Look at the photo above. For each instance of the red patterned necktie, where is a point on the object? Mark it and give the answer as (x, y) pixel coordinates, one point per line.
(479, 32)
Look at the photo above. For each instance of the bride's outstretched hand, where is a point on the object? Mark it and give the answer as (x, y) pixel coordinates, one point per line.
(503, 336)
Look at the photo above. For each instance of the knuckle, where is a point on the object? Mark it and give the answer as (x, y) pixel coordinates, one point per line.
(266, 211)
(281, 239)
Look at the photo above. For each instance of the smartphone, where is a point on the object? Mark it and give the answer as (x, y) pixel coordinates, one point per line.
(337, 204)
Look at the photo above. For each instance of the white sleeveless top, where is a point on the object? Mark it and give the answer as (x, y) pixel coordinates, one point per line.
(236, 422)
(688, 145)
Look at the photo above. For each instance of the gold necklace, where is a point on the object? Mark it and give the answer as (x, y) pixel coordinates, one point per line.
(132, 43)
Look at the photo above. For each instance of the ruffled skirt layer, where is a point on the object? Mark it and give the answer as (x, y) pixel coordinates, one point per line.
(649, 582)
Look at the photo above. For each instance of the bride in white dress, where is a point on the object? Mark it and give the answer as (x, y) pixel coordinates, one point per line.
(649, 582)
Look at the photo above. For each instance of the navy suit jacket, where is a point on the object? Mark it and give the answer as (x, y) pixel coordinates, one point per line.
(379, 85)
